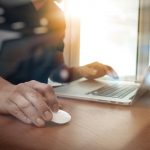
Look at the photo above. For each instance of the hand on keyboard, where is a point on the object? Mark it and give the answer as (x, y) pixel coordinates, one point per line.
(96, 69)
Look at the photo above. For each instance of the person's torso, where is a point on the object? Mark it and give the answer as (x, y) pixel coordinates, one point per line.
(29, 41)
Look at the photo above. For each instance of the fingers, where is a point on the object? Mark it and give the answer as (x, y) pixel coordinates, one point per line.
(30, 104)
(48, 93)
(111, 72)
(16, 112)
(96, 69)
(92, 72)
(88, 72)
(20, 105)
(33, 98)
(53, 103)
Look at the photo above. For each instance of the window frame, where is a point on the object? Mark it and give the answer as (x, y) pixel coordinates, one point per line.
(143, 39)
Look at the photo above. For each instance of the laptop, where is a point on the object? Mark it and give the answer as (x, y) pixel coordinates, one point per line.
(106, 91)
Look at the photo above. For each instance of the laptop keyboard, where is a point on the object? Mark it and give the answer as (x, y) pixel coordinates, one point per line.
(115, 90)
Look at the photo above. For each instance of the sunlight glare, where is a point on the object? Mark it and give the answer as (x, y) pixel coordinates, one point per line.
(73, 8)
(108, 33)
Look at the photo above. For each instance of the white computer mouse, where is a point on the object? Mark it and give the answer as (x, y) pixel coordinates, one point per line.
(61, 117)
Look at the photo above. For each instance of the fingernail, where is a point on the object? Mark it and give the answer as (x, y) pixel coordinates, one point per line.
(55, 107)
(40, 122)
(115, 76)
(47, 115)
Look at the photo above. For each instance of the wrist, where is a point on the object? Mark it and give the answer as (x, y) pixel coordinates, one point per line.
(75, 73)
(5, 92)
(4, 83)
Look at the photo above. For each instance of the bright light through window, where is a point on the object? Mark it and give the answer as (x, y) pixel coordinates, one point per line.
(109, 34)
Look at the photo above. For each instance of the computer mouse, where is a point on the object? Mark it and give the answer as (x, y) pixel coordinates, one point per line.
(61, 117)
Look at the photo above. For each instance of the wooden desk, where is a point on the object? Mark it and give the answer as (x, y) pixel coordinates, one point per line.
(94, 126)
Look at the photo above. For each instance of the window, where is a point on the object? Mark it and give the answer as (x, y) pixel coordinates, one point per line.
(109, 34)
(114, 32)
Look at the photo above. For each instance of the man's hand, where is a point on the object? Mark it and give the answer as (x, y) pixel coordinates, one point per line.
(30, 102)
(95, 70)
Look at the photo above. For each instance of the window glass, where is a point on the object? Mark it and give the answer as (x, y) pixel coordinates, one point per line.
(109, 34)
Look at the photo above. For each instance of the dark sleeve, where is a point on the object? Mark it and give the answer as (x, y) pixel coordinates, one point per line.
(58, 66)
